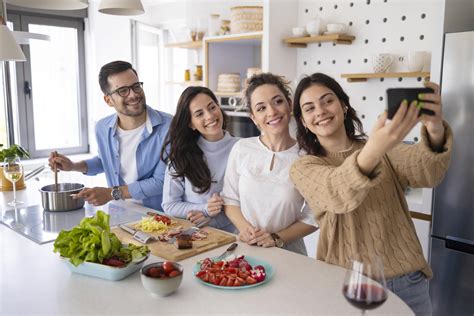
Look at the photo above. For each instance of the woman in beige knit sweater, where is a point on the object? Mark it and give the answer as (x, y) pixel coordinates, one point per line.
(355, 185)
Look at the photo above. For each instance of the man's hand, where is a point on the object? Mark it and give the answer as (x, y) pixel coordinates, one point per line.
(65, 164)
(62, 162)
(95, 196)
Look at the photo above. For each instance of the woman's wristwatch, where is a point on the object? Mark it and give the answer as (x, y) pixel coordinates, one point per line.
(278, 241)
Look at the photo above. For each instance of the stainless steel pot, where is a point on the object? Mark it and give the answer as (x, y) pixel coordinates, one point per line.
(61, 199)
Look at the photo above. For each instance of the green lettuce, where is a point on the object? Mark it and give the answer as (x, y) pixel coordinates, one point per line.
(92, 241)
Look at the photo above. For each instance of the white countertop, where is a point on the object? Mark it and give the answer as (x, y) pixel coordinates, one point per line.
(33, 280)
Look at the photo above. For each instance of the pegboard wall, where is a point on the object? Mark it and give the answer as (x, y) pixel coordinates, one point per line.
(380, 26)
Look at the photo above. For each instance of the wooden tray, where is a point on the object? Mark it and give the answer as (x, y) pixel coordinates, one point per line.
(216, 238)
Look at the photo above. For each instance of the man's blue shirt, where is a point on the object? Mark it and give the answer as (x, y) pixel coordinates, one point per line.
(150, 168)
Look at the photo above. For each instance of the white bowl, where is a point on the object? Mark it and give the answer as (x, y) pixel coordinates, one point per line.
(299, 31)
(104, 271)
(336, 28)
(159, 286)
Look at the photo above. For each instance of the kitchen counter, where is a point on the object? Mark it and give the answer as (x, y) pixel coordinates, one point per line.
(33, 280)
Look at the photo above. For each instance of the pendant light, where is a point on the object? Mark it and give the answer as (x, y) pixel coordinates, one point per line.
(9, 48)
(51, 4)
(121, 7)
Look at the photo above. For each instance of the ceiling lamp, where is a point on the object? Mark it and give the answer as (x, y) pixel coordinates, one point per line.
(121, 7)
(51, 4)
(9, 49)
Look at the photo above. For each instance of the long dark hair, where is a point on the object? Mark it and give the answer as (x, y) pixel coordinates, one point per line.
(181, 149)
(266, 78)
(307, 140)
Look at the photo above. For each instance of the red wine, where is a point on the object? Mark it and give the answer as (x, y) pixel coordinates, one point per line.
(365, 296)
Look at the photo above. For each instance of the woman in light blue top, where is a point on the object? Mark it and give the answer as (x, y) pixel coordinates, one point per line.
(196, 151)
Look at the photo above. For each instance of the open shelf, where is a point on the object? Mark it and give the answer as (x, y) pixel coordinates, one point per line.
(252, 36)
(305, 40)
(186, 83)
(190, 44)
(359, 77)
(228, 94)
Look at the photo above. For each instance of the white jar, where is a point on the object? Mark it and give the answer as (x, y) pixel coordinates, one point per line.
(214, 25)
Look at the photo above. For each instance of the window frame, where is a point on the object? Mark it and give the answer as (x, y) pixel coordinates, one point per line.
(25, 136)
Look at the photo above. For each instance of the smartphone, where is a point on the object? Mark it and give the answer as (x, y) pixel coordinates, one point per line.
(395, 96)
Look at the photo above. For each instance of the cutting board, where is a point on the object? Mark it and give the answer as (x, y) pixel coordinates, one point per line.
(215, 238)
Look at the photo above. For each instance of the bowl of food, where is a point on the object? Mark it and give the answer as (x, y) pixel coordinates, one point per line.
(111, 269)
(162, 278)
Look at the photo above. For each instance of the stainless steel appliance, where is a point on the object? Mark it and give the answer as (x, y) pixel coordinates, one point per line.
(239, 123)
(452, 236)
(43, 226)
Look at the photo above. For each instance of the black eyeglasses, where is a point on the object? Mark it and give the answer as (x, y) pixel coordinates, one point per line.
(137, 87)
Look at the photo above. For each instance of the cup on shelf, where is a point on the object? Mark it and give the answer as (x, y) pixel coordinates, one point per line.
(417, 60)
(314, 27)
(381, 62)
(299, 31)
(336, 28)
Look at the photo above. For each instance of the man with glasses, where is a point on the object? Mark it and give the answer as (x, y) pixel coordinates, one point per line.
(129, 143)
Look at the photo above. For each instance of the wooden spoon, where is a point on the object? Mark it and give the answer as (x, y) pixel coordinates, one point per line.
(55, 169)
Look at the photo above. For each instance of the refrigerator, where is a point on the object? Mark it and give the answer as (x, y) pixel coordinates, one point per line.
(452, 232)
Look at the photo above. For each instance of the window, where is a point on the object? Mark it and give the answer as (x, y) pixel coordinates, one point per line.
(50, 98)
(148, 60)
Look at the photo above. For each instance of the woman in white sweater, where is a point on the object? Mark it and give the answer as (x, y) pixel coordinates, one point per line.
(196, 151)
(258, 195)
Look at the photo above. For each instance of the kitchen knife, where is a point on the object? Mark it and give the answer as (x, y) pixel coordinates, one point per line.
(137, 234)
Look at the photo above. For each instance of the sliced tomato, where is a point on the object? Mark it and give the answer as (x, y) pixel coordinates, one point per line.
(223, 281)
(199, 274)
(230, 281)
(250, 280)
(205, 277)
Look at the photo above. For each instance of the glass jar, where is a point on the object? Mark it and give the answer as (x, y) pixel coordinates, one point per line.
(214, 25)
(198, 72)
(187, 75)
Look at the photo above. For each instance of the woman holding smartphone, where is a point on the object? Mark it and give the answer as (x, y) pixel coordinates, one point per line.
(196, 150)
(355, 185)
(259, 197)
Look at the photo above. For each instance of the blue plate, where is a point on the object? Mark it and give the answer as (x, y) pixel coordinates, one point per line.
(252, 261)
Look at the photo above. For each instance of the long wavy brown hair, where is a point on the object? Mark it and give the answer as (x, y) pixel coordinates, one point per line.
(306, 139)
(180, 148)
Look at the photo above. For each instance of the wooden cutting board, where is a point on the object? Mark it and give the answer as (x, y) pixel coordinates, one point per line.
(215, 238)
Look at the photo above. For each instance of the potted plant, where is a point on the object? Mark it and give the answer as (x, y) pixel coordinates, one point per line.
(14, 150)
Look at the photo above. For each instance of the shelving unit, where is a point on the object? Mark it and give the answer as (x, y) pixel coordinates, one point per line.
(188, 45)
(302, 42)
(360, 77)
(233, 53)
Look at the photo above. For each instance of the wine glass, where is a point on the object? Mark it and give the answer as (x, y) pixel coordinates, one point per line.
(364, 285)
(13, 171)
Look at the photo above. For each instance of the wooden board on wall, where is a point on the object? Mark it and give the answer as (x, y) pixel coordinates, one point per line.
(215, 238)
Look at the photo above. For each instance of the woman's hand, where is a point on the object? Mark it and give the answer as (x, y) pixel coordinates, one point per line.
(214, 205)
(196, 217)
(386, 135)
(433, 123)
(261, 238)
(245, 235)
